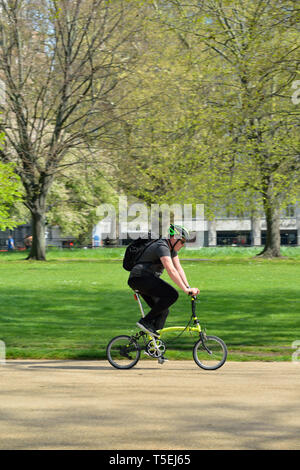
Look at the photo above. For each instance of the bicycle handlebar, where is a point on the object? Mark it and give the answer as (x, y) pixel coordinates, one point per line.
(194, 297)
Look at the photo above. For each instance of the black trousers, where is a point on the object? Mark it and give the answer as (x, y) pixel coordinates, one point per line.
(158, 294)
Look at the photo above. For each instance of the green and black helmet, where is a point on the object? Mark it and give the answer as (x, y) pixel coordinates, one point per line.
(179, 232)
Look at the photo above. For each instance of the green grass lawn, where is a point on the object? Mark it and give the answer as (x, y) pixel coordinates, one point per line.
(73, 304)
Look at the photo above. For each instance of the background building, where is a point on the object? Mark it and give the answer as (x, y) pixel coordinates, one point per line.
(221, 231)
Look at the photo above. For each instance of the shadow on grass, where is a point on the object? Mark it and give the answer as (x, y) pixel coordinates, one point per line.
(78, 323)
(265, 318)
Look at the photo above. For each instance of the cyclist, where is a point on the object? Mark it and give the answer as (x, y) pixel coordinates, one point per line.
(145, 277)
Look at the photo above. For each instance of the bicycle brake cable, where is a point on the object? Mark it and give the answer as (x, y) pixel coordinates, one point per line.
(176, 337)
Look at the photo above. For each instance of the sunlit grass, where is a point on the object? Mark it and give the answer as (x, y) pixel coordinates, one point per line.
(117, 253)
(71, 306)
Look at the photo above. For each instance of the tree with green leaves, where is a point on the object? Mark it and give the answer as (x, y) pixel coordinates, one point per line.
(239, 144)
(74, 197)
(145, 162)
(10, 193)
(65, 65)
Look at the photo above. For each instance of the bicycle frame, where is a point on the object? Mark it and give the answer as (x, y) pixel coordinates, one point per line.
(121, 347)
(195, 329)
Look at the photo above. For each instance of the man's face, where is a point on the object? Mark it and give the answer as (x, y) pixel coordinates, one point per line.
(180, 243)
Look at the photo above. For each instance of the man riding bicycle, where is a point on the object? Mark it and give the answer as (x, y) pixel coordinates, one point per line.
(145, 277)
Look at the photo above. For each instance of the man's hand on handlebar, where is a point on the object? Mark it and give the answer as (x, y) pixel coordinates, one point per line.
(193, 291)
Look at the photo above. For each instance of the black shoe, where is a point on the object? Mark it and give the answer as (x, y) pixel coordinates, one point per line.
(145, 326)
(162, 359)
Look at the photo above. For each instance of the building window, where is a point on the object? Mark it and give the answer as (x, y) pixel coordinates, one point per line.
(242, 238)
(287, 237)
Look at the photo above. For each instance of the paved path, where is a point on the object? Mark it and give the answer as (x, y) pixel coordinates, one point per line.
(90, 405)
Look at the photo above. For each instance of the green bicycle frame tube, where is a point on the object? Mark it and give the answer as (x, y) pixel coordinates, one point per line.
(196, 329)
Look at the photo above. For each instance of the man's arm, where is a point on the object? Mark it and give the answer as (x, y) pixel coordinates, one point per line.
(180, 270)
(174, 274)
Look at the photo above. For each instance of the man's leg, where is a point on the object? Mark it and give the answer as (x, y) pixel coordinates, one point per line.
(160, 321)
(158, 294)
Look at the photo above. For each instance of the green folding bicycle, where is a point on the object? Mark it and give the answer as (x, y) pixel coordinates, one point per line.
(124, 351)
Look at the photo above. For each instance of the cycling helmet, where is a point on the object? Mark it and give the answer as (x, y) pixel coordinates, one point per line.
(178, 231)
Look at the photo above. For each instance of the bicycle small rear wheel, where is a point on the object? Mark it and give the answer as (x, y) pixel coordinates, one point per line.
(123, 352)
(210, 353)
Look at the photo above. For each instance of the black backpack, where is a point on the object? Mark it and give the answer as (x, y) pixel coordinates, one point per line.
(135, 250)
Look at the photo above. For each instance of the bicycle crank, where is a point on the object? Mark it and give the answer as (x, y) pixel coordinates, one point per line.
(155, 348)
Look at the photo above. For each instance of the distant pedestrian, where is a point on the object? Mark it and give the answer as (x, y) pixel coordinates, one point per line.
(28, 242)
(10, 243)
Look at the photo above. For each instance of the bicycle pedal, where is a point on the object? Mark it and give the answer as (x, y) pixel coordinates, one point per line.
(162, 360)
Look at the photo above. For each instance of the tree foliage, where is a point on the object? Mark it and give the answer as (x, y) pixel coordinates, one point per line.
(74, 197)
(186, 101)
(64, 64)
(10, 194)
(231, 135)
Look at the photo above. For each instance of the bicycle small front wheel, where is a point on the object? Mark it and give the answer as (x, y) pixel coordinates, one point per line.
(210, 353)
(123, 352)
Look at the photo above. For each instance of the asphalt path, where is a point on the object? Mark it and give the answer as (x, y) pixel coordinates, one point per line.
(90, 405)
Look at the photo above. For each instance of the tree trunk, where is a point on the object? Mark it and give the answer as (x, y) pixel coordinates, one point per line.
(38, 247)
(272, 246)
